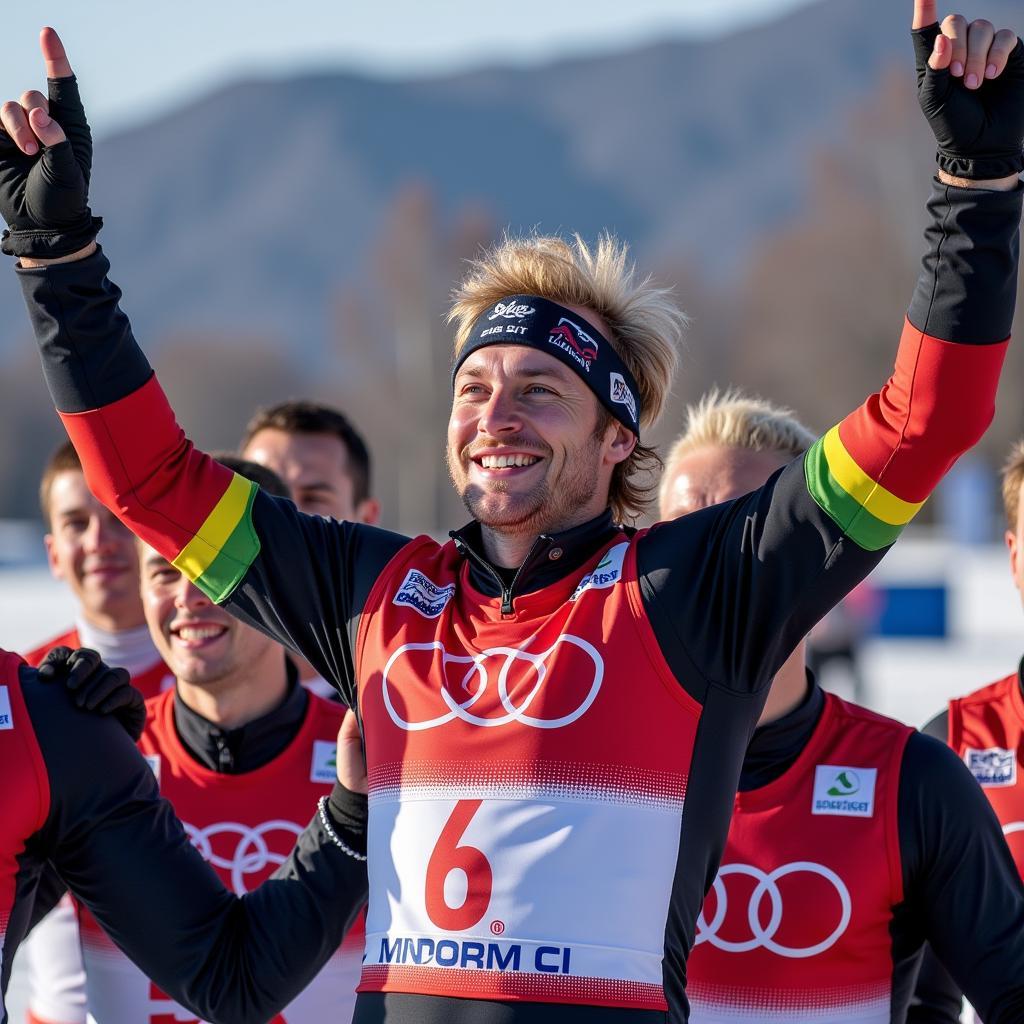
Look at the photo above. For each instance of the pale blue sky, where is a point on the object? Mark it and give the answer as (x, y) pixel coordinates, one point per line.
(136, 59)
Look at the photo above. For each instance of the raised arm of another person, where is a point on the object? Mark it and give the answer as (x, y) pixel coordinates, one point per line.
(301, 578)
(120, 849)
(736, 586)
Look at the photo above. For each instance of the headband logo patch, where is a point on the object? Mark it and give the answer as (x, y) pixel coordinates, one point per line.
(511, 311)
(622, 394)
(571, 338)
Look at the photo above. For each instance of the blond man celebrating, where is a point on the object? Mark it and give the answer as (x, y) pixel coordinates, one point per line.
(555, 707)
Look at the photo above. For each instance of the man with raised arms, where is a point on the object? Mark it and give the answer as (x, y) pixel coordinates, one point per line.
(555, 707)
(854, 839)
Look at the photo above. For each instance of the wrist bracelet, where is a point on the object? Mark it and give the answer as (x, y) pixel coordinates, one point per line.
(334, 837)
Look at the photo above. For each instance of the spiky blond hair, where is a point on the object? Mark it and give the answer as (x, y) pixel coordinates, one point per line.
(731, 419)
(645, 325)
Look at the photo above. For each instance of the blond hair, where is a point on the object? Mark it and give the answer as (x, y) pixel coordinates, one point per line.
(1013, 477)
(731, 419)
(645, 326)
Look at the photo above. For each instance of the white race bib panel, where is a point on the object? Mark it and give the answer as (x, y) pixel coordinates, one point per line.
(527, 775)
(511, 886)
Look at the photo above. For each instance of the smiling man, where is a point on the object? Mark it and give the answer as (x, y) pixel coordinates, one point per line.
(555, 707)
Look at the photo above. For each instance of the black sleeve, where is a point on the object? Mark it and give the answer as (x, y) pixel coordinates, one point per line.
(732, 589)
(960, 881)
(937, 998)
(309, 582)
(120, 849)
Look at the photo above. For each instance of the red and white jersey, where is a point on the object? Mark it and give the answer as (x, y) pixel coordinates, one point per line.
(513, 762)
(26, 789)
(150, 682)
(986, 729)
(245, 826)
(795, 929)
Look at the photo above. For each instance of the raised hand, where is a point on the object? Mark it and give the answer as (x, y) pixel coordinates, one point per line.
(45, 163)
(971, 88)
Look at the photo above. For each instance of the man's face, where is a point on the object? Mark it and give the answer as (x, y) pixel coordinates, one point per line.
(94, 553)
(713, 474)
(199, 642)
(315, 469)
(1015, 544)
(524, 450)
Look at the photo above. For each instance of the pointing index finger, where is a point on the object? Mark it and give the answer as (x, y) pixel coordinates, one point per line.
(54, 57)
(925, 13)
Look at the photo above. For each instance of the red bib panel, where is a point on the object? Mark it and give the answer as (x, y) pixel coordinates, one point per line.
(151, 683)
(527, 775)
(986, 729)
(26, 788)
(795, 929)
(245, 826)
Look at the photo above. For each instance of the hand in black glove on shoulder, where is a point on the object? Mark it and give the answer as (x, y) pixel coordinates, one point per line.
(95, 686)
(45, 163)
(970, 84)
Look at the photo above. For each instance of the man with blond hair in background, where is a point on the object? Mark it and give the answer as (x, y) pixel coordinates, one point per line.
(555, 707)
(854, 839)
(986, 730)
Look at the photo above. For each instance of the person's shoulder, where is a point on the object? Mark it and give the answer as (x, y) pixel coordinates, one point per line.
(990, 693)
(69, 638)
(327, 713)
(931, 764)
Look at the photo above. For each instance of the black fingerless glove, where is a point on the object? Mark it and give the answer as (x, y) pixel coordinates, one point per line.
(980, 131)
(45, 198)
(95, 686)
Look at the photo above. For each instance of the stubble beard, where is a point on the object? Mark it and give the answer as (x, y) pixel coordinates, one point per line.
(541, 509)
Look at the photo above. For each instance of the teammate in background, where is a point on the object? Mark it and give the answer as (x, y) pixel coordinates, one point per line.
(90, 550)
(853, 837)
(325, 463)
(555, 709)
(79, 796)
(243, 753)
(986, 729)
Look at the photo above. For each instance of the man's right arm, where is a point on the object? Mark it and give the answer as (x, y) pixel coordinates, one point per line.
(301, 578)
(122, 851)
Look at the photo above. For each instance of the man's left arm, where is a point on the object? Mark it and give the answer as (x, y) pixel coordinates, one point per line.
(737, 586)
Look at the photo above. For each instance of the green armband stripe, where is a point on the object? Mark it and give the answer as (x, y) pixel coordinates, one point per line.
(225, 546)
(853, 517)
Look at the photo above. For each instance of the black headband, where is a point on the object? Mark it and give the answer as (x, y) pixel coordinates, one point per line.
(548, 327)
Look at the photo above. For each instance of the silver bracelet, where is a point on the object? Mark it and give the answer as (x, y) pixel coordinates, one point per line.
(335, 838)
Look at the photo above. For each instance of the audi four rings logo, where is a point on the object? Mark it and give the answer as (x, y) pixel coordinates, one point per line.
(252, 853)
(763, 936)
(477, 675)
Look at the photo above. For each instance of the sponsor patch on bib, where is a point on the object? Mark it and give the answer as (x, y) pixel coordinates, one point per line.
(993, 766)
(844, 791)
(6, 722)
(606, 574)
(325, 762)
(423, 595)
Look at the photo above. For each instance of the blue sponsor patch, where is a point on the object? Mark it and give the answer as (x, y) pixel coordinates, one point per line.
(423, 595)
(993, 766)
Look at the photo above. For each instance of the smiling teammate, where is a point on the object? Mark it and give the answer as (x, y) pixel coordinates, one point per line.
(555, 709)
(853, 838)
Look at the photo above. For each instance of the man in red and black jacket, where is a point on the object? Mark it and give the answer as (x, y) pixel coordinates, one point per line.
(80, 797)
(986, 730)
(854, 839)
(555, 707)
